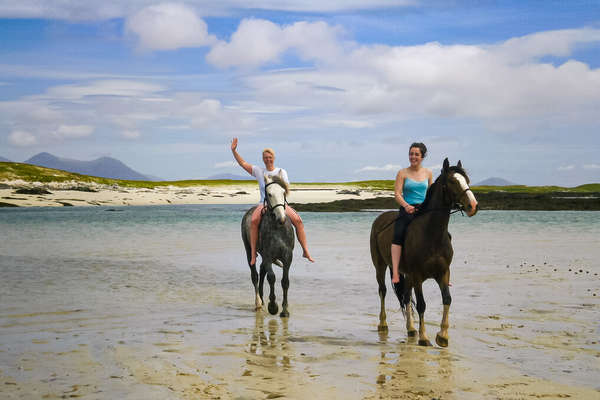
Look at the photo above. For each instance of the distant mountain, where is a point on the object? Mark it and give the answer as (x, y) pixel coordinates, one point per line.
(230, 176)
(105, 167)
(495, 182)
(2, 159)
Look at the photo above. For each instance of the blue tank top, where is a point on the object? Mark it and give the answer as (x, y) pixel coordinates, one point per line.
(414, 191)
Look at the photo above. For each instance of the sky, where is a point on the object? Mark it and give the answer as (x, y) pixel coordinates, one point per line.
(339, 89)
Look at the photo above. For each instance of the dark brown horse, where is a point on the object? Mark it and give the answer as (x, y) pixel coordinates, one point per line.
(427, 251)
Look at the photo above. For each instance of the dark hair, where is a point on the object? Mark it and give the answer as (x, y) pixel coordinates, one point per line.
(419, 146)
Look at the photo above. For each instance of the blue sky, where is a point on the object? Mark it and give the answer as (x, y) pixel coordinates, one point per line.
(338, 88)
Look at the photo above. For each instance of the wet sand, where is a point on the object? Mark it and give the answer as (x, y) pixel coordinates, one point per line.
(524, 323)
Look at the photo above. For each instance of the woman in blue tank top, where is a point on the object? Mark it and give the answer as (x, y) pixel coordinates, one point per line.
(410, 189)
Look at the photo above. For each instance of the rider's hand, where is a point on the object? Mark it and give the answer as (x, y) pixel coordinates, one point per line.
(234, 144)
(409, 209)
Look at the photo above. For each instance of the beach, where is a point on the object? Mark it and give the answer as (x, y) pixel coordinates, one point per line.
(76, 193)
(155, 302)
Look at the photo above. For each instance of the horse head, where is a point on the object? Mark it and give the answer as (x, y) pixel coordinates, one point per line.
(456, 185)
(275, 191)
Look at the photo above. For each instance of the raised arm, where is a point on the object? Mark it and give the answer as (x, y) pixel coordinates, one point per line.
(238, 158)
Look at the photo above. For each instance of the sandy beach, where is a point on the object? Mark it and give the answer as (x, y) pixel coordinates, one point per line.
(64, 194)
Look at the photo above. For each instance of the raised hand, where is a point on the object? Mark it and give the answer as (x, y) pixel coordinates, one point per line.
(234, 143)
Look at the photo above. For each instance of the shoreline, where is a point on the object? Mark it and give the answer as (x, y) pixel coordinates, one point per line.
(327, 197)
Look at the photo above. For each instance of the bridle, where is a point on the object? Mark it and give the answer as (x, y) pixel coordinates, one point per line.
(455, 206)
(266, 203)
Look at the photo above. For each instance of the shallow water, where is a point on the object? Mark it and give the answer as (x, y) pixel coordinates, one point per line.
(98, 299)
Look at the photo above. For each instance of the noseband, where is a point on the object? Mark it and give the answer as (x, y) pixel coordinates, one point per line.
(268, 206)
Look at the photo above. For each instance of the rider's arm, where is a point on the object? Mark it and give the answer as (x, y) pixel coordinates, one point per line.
(430, 179)
(398, 186)
(238, 158)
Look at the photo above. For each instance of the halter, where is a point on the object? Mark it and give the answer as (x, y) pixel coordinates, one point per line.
(266, 203)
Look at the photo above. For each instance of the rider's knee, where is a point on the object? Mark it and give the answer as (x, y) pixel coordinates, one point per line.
(255, 220)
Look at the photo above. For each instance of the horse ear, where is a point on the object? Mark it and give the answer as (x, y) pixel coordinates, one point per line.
(267, 178)
(459, 165)
(280, 174)
(446, 164)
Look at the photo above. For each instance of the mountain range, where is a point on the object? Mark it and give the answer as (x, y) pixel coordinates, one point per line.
(494, 181)
(105, 167)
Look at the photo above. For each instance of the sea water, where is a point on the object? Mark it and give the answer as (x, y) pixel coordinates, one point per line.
(525, 285)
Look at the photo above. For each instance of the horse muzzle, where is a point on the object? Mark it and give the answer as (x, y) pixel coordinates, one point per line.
(472, 208)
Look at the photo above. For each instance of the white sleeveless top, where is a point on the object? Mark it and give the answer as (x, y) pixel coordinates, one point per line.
(259, 173)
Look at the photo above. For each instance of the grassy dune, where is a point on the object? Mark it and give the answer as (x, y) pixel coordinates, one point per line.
(32, 173)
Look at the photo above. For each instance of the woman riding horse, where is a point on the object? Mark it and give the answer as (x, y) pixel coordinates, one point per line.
(409, 189)
(258, 173)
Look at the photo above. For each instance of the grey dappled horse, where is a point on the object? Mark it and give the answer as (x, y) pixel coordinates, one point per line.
(427, 251)
(275, 244)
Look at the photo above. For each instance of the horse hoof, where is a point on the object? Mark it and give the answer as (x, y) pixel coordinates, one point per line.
(284, 314)
(441, 341)
(382, 328)
(412, 333)
(424, 342)
(273, 308)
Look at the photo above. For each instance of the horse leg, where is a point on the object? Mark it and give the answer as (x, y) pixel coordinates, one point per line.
(257, 297)
(285, 284)
(423, 339)
(261, 281)
(406, 304)
(272, 307)
(442, 337)
(380, 268)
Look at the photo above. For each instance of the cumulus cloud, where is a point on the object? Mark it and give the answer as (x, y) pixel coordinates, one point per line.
(258, 42)
(491, 83)
(591, 166)
(168, 26)
(387, 167)
(131, 134)
(21, 138)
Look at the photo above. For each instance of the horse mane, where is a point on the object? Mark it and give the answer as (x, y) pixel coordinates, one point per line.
(442, 177)
(281, 183)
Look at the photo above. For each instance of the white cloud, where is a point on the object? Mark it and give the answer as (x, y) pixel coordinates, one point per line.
(566, 168)
(131, 134)
(225, 164)
(258, 42)
(73, 131)
(387, 167)
(109, 87)
(77, 10)
(21, 138)
(591, 166)
(169, 26)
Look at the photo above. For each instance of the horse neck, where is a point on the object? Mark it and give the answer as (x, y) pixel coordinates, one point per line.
(437, 211)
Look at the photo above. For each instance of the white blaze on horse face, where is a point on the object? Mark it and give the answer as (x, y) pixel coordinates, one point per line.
(275, 196)
(470, 196)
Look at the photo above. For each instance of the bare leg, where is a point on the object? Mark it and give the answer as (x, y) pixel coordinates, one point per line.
(299, 225)
(254, 223)
(396, 253)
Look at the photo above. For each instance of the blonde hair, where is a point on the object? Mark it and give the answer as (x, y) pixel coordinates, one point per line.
(269, 150)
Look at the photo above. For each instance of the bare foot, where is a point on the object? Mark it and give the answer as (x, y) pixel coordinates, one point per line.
(253, 259)
(307, 256)
(395, 278)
